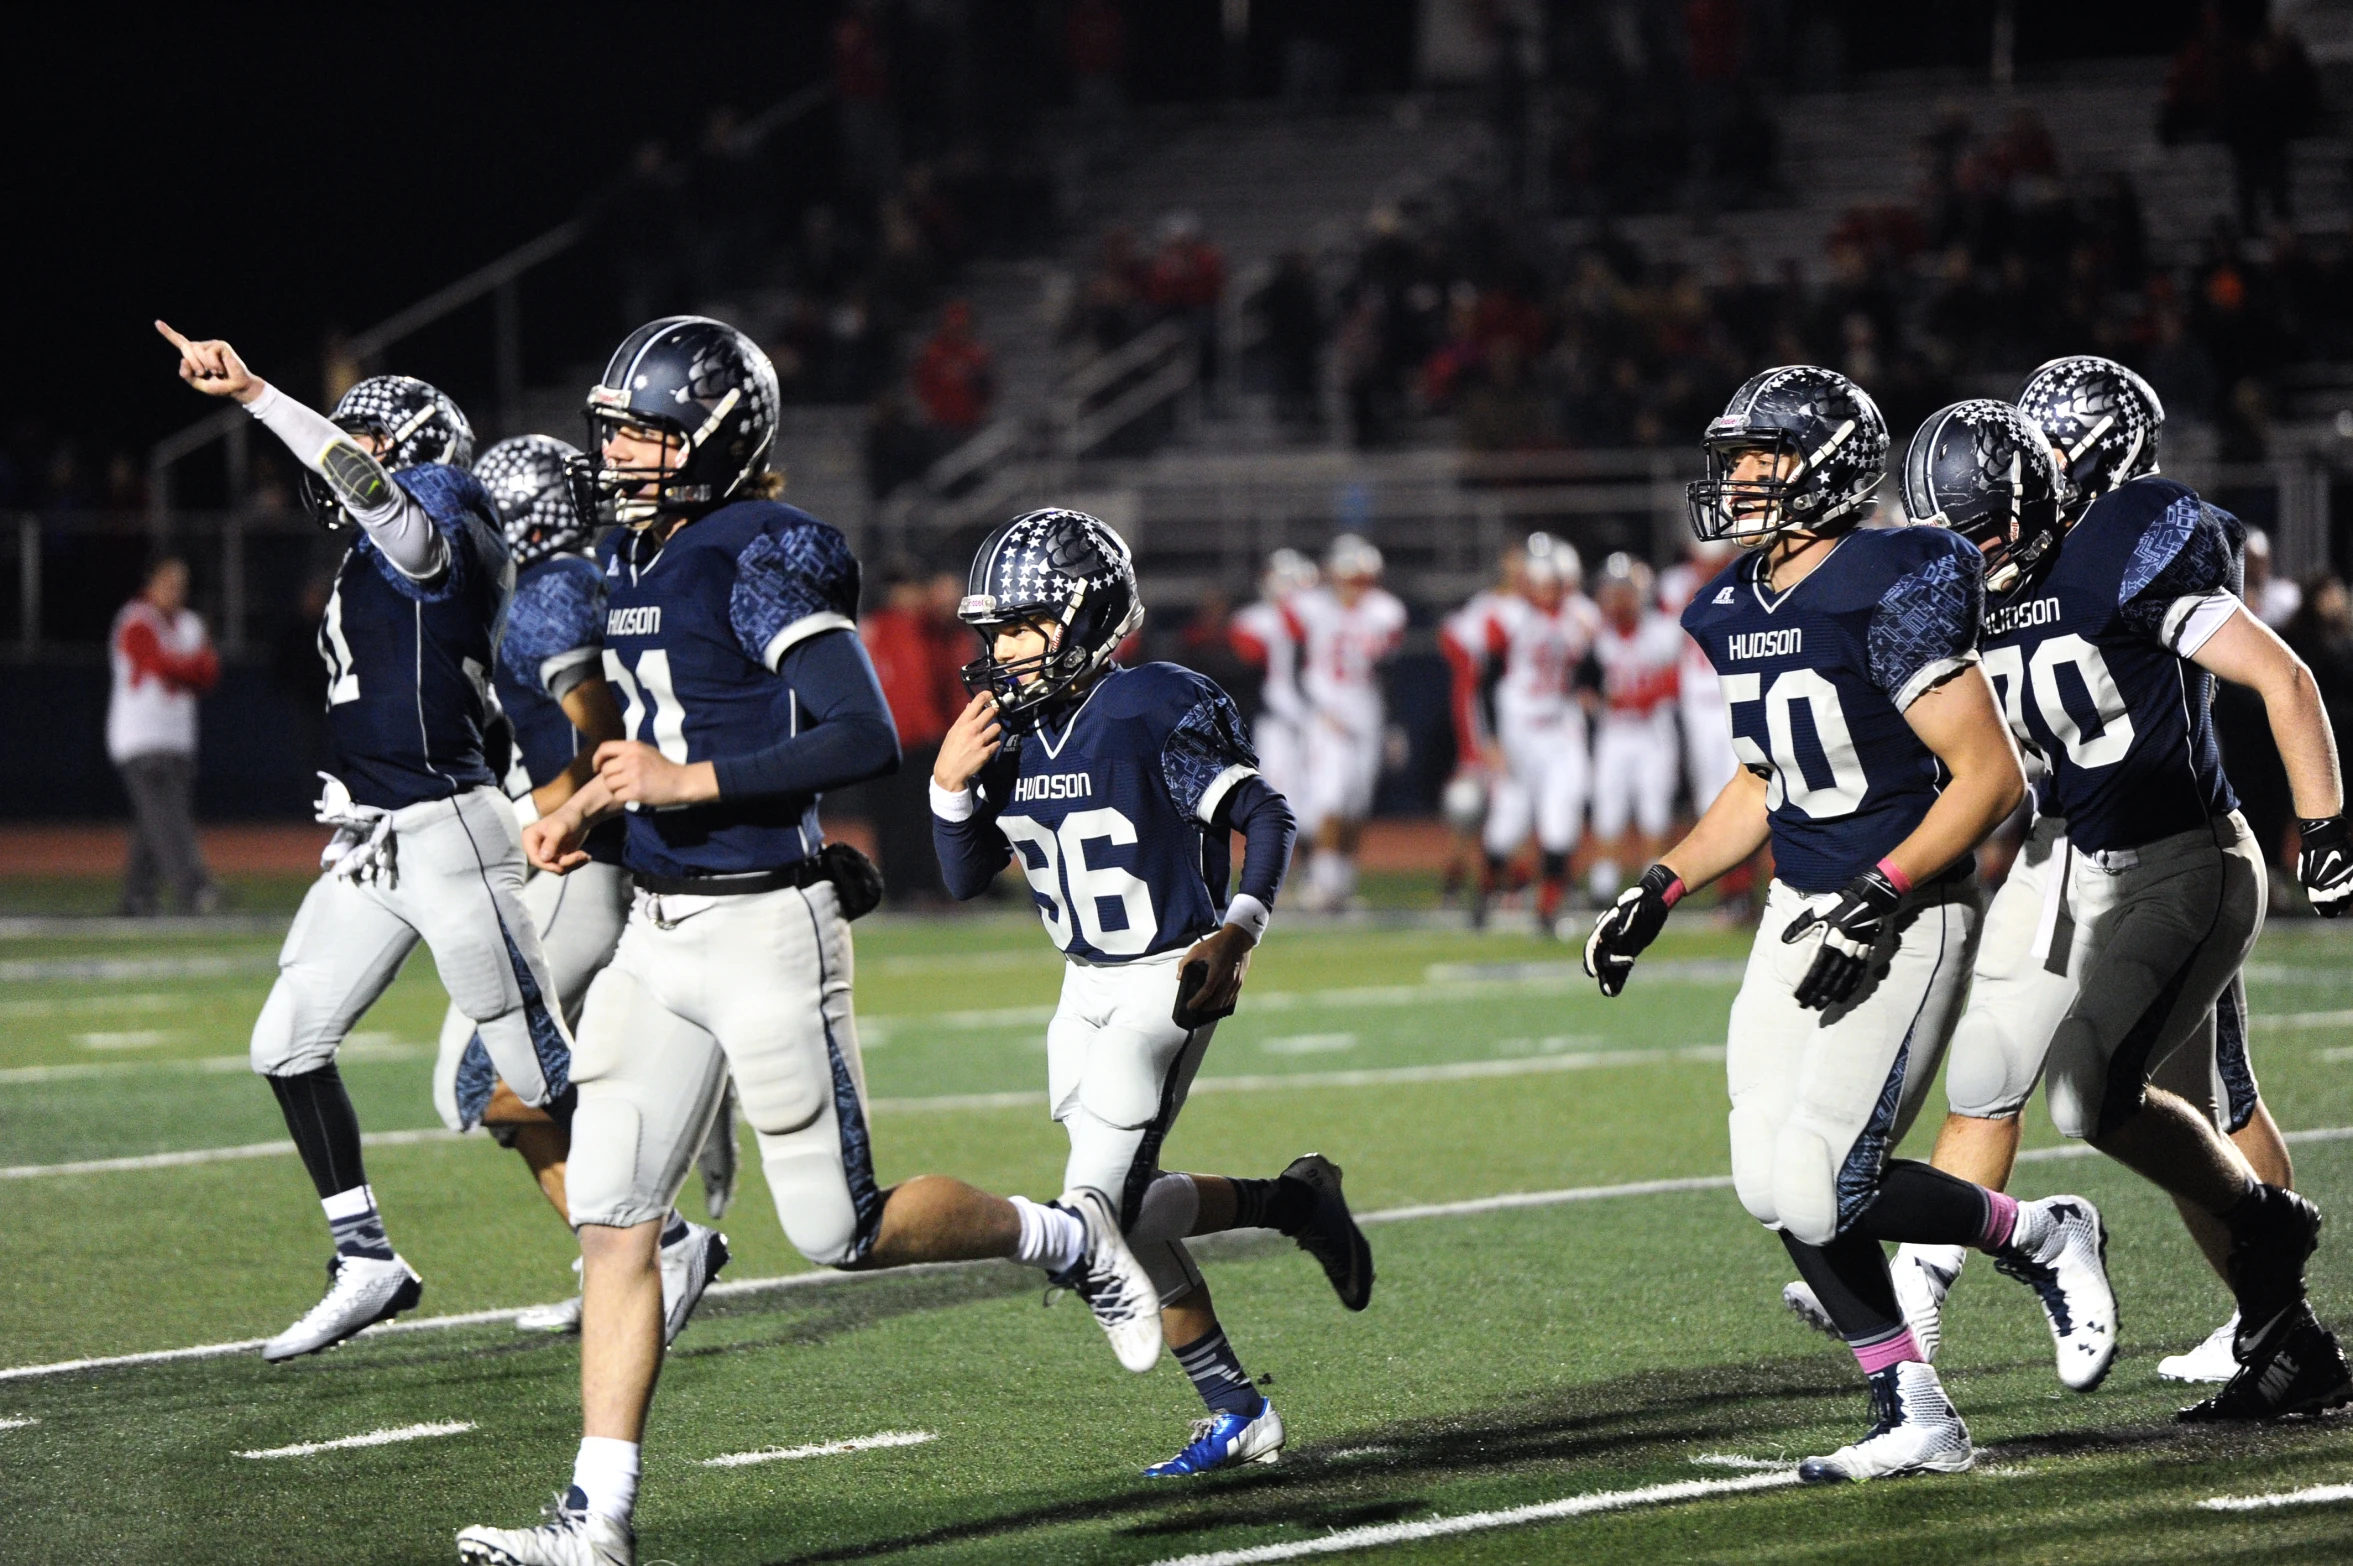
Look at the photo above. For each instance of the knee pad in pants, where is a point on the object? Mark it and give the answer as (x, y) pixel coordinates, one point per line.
(2076, 1078)
(600, 1178)
(1752, 1164)
(813, 1198)
(1170, 1267)
(1170, 1206)
(1989, 1073)
(1805, 1186)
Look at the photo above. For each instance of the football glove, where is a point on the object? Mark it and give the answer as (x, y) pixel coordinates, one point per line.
(2325, 864)
(1850, 929)
(1629, 925)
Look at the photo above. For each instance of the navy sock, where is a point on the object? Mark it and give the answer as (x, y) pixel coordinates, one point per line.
(1282, 1203)
(1218, 1375)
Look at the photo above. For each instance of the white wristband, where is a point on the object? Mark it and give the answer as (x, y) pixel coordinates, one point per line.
(1248, 913)
(951, 806)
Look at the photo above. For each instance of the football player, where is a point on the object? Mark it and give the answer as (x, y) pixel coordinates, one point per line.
(1351, 625)
(730, 635)
(1708, 761)
(425, 845)
(1117, 791)
(1875, 759)
(2112, 954)
(1636, 651)
(1267, 636)
(1465, 641)
(1524, 648)
(551, 689)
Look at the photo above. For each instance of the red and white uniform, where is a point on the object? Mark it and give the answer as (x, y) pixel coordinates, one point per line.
(1634, 754)
(1341, 650)
(1708, 761)
(162, 663)
(1539, 723)
(1267, 636)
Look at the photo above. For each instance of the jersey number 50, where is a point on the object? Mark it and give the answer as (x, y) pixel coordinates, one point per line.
(1063, 852)
(1791, 689)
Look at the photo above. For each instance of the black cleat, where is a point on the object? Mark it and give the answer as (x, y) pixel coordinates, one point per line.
(1330, 1235)
(2292, 1366)
(2269, 1245)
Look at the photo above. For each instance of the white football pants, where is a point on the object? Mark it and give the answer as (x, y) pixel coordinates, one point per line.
(1634, 774)
(1550, 778)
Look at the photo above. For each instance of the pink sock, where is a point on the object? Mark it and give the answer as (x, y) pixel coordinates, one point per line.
(1876, 1357)
(2001, 1221)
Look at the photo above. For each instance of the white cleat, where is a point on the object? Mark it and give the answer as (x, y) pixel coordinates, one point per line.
(1112, 1282)
(571, 1536)
(562, 1316)
(688, 1266)
(1923, 1276)
(2060, 1250)
(361, 1291)
(2213, 1360)
(1919, 1432)
(1806, 1306)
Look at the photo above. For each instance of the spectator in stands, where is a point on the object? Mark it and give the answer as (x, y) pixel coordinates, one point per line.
(1111, 302)
(2251, 86)
(897, 449)
(1295, 339)
(162, 662)
(900, 639)
(954, 378)
(1184, 283)
(2275, 599)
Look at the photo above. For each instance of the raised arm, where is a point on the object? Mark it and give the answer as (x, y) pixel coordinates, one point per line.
(971, 850)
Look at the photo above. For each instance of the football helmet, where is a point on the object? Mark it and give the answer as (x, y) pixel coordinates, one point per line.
(1352, 557)
(2102, 419)
(415, 424)
(530, 482)
(1551, 560)
(1829, 445)
(1065, 574)
(1982, 469)
(708, 391)
(1287, 571)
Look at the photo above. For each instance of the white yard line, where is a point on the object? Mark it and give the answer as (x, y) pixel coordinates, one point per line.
(787, 1454)
(2316, 1495)
(2288, 1020)
(1762, 1465)
(17, 1424)
(1478, 1522)
(212, 1155)
(445, 1427)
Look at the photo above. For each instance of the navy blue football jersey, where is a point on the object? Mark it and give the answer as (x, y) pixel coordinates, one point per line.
(695, 628)
(2083, 657)
(555, 636)
(1818, 677)
(409, 663)
(1105, 807)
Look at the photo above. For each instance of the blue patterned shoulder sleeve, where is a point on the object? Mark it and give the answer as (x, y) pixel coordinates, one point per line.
(1926, 625)
(461, 512)
(1207, 743)
(2186, 551)
(793, 580)
(558, 610)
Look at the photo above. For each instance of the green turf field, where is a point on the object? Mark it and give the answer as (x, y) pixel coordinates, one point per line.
(1512, 1356)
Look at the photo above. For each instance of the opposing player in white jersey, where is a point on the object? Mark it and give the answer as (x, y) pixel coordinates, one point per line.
(1637, 651)
(1708, 759)
(1526, 648)
(1479, 773)
(1349, 626)
(729, 630)
(425, 846)
(1117, 790)
(1268, 637)
(558, 708)
(2112, 953)
(1875, 760)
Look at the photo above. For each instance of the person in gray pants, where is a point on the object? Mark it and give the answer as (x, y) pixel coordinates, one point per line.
(161, 663)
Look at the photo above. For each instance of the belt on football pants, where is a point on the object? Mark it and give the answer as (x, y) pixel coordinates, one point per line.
(806, 872)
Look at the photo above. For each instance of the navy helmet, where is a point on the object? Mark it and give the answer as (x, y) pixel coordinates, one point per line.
(413, 423)
(1982, 468)
(708, 392)
(1065, 574)
(1827, 443)
(2100, 418)
(529, 478)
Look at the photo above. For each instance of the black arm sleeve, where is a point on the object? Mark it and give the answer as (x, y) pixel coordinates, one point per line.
(846, 731)
(1264, 819)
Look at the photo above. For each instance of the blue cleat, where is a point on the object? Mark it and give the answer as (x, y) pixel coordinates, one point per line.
(1226, 1440)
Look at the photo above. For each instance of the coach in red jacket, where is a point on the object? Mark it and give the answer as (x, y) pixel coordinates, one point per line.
(162, 663)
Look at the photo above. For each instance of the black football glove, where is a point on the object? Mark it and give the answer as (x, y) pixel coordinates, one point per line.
(1849, 930)
(1629, 925)
(2325, 864)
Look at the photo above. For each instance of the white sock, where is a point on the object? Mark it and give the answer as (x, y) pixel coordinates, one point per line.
(605, 1473)
(1050, 1237)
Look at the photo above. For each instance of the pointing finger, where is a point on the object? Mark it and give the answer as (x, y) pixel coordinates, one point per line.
(173, 337)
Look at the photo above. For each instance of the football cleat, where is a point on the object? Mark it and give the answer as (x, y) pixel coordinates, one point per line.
(1919, 1432)
(2065, 1262)
(2268, 1251)
(361, 1291)
(1923, 1276)
(688, 1266)
(2213, 1360)
(572, 1536)
(2291, 1366)
(1806, 1306)
(1226, 1440)
(1330, 1234)
(1112, 1282)
(562, 1316)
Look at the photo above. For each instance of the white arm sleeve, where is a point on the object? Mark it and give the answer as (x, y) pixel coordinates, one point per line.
(396, 522)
